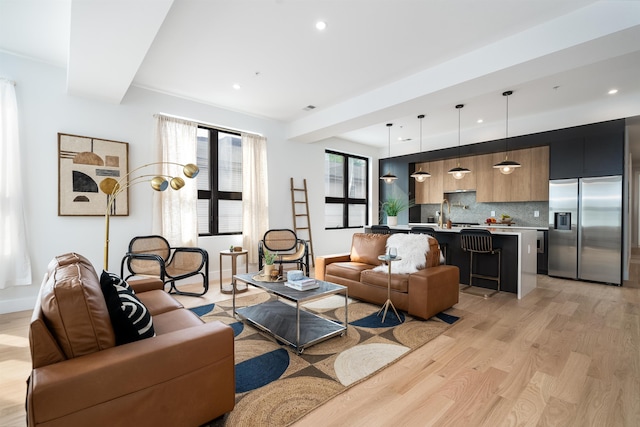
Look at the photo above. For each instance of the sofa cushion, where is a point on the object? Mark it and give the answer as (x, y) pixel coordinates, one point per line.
(399, 282)
(176, 320)
(74, 308)
(158, 302)
(367, 247)
(130, 318)
(347, 270)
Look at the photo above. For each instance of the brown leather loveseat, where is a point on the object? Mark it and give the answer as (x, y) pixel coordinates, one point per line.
(183, 376)
(423, 294)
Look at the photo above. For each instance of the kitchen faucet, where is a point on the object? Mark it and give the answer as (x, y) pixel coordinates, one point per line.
(441, 219)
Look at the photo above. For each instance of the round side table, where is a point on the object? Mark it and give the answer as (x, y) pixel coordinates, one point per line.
(234, 258)
(388, 303)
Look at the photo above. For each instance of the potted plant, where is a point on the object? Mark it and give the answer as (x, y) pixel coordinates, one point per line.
(269, 259)
(392, 207)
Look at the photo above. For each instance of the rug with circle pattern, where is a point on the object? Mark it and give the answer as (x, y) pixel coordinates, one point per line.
(276, 386)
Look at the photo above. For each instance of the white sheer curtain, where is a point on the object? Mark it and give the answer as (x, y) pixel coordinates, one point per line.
(174, 212)
(15, 264)
(255, 193)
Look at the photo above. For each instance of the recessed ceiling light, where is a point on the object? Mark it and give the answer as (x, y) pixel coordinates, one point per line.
(480, 121)
(321, 25)
(613, 91)
(236, 86)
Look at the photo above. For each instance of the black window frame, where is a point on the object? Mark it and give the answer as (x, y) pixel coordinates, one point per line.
(214, 195)
(346, 200)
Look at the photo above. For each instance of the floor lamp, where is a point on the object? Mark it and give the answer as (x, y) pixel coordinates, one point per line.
(160, 182)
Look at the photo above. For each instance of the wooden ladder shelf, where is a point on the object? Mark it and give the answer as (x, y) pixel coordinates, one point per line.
(301, 218)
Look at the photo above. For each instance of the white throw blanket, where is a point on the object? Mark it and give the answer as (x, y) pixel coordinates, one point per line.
(412, 248)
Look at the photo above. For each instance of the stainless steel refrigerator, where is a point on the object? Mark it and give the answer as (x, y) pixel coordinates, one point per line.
(585, 229)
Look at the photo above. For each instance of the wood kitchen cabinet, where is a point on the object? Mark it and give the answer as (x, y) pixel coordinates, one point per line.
(451, 184)
(526, 183)
(540, 173)
(530, 182)
(484, 178)
(430, 191)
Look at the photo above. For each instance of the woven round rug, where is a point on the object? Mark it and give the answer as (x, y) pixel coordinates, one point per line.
(275, 385)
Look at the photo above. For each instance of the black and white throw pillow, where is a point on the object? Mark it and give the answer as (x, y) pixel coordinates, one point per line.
(130, 318)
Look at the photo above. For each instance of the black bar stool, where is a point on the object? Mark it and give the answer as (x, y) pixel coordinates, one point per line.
(477, 241)
(380, 229)
(431, 232)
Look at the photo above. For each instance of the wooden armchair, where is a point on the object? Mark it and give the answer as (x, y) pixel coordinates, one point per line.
(152, 256)
(289, 248)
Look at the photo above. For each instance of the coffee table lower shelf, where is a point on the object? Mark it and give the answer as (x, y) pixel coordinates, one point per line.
(280, 320)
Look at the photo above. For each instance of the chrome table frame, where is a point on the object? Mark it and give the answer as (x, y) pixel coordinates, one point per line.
(283, 321)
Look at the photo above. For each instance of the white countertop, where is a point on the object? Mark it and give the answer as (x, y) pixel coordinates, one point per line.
(504, 230)
(496, 226)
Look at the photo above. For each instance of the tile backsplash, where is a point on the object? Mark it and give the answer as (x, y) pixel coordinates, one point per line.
(464, 208)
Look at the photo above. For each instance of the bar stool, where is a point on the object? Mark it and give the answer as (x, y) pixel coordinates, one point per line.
(380, 229)
(477, 241)
(431, 232)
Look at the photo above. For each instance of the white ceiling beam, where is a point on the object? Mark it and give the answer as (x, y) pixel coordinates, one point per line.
(577, 32)
(109, 40)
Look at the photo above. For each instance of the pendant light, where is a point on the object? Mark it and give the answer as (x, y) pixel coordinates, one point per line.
(507, 166)
(458, 172)
(420, 175)
(389, 177)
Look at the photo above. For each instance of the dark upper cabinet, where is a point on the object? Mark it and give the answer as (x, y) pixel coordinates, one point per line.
(566, 158)
(604, 155)
(593, 154)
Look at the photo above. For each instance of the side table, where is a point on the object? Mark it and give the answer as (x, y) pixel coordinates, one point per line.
(385, 306)
(234, 258)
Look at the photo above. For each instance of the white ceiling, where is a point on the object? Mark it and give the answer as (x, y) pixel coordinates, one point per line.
(378, 61)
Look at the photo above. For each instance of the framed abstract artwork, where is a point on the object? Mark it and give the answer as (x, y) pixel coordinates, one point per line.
(85, 166)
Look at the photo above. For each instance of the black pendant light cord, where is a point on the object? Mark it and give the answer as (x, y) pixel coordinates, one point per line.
(459, 107)
(506, 133)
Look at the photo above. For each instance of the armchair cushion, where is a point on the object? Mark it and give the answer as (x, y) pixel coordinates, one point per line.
(130, 318)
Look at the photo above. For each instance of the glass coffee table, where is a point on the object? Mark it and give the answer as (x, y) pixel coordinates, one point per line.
(290, 322)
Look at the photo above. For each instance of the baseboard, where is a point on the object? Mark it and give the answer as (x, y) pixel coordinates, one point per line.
(17, 304)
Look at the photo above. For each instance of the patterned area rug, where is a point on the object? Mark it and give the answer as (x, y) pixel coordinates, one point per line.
(275, 386)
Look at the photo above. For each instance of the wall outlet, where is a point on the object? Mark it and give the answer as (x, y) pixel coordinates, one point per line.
(493, 213)
(536, 214)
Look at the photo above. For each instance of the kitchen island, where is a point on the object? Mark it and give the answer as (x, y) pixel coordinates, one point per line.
(519, 256)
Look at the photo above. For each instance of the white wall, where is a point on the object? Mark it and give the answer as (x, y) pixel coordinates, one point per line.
(45, 109)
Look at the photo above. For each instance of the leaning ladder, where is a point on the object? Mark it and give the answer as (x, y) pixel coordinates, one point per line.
(301, 219)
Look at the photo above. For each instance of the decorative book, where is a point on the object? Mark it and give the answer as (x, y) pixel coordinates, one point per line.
(304, 284)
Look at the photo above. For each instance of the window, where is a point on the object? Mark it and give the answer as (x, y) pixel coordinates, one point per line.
(219, 182)
(346, 180)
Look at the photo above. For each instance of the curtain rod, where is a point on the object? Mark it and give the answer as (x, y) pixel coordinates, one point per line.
(12, 82)
(223, 128)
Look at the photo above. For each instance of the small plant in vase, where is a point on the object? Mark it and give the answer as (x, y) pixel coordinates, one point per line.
(269, 259)
(392, 207)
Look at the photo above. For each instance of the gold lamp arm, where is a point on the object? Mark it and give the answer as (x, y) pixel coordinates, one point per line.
(158, 182)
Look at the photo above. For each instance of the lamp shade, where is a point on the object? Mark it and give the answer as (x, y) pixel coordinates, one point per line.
(507, 166)
(458, 172)
(388, 178)
(420, 175)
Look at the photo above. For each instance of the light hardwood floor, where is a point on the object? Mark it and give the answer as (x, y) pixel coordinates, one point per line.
(566, 355)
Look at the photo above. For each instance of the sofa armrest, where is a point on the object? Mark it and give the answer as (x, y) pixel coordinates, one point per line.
(119, 372)
(433, 290)
(144, 285)
(323, 261)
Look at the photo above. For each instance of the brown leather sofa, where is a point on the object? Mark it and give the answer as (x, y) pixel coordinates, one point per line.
(184, 376)
(423, 294)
